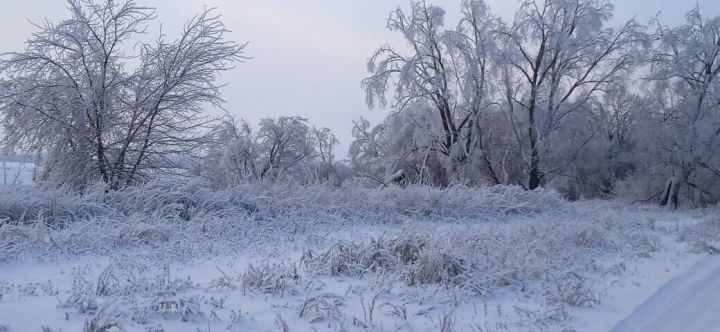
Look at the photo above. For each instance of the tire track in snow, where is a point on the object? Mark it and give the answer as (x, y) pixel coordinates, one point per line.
(688, 303)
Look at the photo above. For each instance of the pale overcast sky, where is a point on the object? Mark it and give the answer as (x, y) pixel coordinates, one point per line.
(309, 56)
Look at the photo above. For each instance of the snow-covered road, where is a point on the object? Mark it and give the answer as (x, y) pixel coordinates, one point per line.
(688, 303)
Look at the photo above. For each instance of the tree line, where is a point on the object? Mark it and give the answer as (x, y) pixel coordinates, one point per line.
(558, 97)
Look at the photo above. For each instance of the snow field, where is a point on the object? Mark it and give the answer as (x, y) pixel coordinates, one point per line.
(178, 257)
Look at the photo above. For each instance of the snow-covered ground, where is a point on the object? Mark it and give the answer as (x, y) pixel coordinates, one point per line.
(171, 257)
(690, 302)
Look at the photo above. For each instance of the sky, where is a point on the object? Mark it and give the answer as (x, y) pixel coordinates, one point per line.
(309, 56)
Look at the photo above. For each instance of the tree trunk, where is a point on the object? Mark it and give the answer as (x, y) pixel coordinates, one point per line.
(670, 194)
(534, 172)
(507, 179)
(534, 176)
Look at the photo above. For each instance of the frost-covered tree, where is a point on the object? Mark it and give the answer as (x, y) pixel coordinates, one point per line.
(325, 142)
(558, 56)
(367, 150)
(98, 105)
(685, 92)
(284, 142)
(278, 149)
(232, 156)
(473, 52)
(399, 145)
(423, 76)
(444, 71)
(607, 156)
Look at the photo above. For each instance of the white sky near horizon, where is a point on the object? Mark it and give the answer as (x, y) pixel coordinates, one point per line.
(308, 56)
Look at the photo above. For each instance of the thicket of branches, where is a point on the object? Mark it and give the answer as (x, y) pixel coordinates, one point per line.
(556, 98)
(283, 149)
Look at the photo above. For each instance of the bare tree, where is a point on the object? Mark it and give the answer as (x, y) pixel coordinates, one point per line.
(71, 97)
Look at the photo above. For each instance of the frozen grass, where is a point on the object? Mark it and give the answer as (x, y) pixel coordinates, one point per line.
(703, 236)
(469, 245)
(556, 255)
(185, 200)
(35, 220)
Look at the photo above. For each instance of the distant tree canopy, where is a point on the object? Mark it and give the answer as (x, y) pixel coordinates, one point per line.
(278, 149)
(74, 97)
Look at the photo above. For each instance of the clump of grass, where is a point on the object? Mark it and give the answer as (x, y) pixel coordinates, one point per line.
(275, 279)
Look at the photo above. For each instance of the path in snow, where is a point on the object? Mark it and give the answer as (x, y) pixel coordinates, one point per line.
(688, 303)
